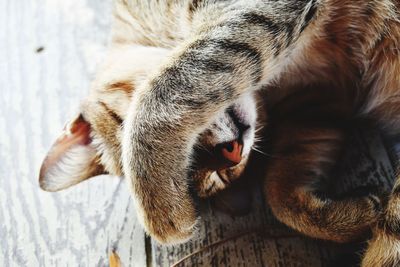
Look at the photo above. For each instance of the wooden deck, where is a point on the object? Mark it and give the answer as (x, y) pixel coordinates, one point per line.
(49, 51)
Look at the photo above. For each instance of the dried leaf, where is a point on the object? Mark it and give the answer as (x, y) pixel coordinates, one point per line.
(114, 260)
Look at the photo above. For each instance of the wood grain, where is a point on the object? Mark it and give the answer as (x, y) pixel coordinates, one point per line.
(259, 240)
(49, 50)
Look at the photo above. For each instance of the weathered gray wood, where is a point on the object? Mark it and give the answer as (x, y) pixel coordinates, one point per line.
(49, 51)
(266, 242)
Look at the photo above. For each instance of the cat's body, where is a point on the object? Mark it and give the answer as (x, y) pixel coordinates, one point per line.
(338, 58)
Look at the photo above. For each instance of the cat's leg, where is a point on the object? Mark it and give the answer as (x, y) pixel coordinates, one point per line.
(384, 248)
(235, 54)
(302, 155)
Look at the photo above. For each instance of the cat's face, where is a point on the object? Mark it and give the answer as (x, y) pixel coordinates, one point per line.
(91, 142)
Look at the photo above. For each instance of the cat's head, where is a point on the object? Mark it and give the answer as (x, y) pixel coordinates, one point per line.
(91, 142)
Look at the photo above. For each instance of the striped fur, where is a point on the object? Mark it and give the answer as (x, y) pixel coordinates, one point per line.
(216, 52)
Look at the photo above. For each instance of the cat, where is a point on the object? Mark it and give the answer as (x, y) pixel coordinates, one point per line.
(179, 71)
(91, 141)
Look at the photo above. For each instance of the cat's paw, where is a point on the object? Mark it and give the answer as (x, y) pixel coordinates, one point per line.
(384, 247)
(383, 250)
(157, 154)
(389, 221)
(168, 214)
(172, 229)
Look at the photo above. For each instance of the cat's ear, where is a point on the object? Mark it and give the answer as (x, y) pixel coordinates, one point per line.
(71, 159)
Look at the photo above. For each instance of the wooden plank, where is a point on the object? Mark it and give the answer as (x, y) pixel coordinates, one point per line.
(49, 50)
(259, 240)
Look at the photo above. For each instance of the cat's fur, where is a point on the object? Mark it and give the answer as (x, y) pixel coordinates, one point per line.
(217, 52)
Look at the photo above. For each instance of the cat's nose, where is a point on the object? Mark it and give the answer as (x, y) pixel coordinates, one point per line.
(232, 152)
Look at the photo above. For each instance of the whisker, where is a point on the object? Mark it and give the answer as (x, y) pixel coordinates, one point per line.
(259, 151)
(256, 149)
(258, 139)
(259, 129)
(259, 108)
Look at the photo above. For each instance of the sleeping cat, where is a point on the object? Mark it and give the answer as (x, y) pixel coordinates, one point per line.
(182, 74)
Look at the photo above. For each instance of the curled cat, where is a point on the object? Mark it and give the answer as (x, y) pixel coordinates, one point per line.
(217, 55)
(91, 142)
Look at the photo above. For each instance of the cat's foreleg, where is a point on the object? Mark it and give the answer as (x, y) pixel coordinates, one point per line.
(232, 56)
(164, 122)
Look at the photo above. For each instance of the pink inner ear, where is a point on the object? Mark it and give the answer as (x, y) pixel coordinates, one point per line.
(75, 133)
(80, 131)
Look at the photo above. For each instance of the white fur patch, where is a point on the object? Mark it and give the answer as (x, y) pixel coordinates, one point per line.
(69, 169)
(224, 129)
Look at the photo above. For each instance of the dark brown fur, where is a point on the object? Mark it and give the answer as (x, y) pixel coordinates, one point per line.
(323, 63)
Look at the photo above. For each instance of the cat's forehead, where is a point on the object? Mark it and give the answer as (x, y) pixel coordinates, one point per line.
(125, 66)
(124, 69)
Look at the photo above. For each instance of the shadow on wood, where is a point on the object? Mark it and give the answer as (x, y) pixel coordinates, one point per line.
(258, 239)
